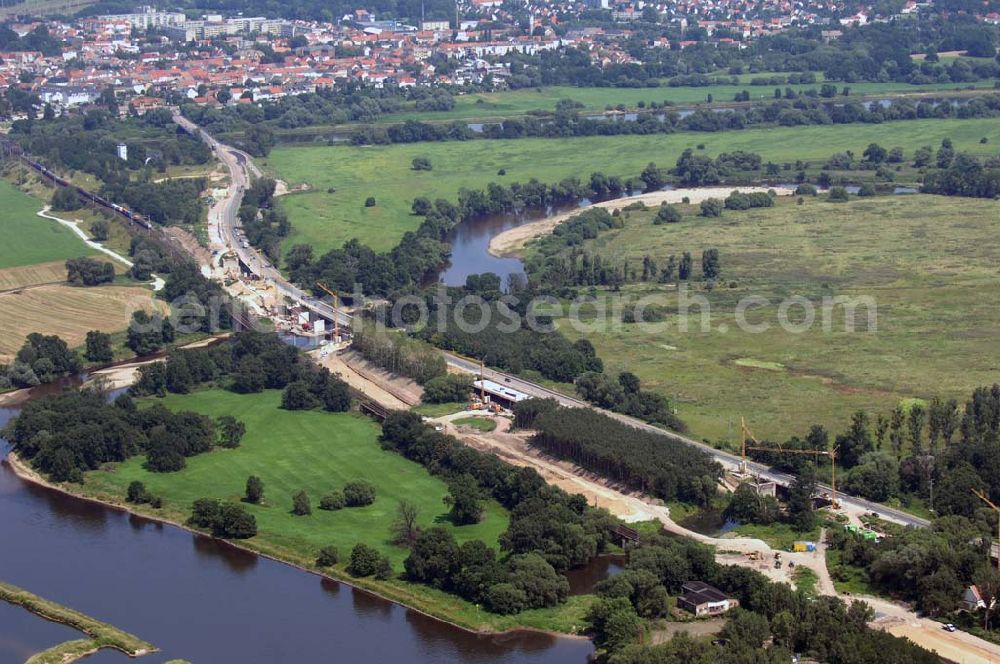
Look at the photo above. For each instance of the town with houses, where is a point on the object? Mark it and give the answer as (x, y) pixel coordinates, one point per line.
(151, 54)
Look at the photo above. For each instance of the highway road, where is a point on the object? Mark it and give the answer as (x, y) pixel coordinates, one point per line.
(223, 222)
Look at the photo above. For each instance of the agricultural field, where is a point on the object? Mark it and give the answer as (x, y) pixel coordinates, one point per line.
(292, 451)
(340, 178)
(927, 262)
(67, 311)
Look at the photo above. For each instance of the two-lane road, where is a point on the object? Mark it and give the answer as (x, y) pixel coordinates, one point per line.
(223, 217)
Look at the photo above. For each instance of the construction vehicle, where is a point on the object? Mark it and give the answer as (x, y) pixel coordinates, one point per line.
(757, 446)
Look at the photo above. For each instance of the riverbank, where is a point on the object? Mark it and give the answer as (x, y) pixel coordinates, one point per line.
(564, 621)
(102, 635)
(511, 242)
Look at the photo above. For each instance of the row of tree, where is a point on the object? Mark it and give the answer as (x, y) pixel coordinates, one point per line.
(653, 463)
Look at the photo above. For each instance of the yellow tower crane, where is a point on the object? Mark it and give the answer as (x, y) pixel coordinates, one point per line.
(336, 321)
(747, 434)
(982, 496)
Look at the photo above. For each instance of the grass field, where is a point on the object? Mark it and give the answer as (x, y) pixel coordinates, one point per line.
(29, 239)
(479, 423)
(318, 452)
(326, 220)
(67, 311)
(928, 262)
(291, 451)
(512, 103)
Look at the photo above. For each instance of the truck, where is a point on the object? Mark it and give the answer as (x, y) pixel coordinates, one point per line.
(802, 547)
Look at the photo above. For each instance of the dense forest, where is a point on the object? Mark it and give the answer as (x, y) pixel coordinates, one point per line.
(646, 461)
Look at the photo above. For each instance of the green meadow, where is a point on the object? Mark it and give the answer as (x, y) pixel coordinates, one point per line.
(28, 238)
(927, 262)
(292, 451)
(342, 177)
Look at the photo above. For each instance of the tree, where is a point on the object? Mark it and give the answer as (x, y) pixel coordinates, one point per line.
(300, 504)
(747, 629)
(98, 347)
(236, 522)
(614, 622)
(421, 206)
(747, 505)
(800, 493)
(987, 580)
(254, 490)
(915, 427)
(359, 493)
(465, 500)
(505, 599)
(710, 263)
(711, 207)
(231, 431)
(875, 153)
(541, 583)
(876, 477)
(65, 199)
(652, 176)
(137, 493)
(684, 267)
(88, 271)
(364, 560)
(298, 396)
(855, 442)
(405, 529)
(434, 558)
(328, 557)
(100, 229)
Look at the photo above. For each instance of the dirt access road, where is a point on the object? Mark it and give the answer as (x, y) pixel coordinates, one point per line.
(631, 507)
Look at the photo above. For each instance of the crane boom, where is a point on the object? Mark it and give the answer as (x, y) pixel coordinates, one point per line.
(982, 496)
(758, 447)
(336, 321)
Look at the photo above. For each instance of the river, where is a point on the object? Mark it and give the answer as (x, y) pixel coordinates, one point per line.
(199, 599)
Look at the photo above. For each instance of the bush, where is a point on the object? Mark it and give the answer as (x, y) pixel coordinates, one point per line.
(332, 501)
(805, 189)
(328, 557)
(866, 190)
(711, 207)
(421, 164)
(837, 195)
(359, 494)
(370, 201)
(667, 214)
(300, 504)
